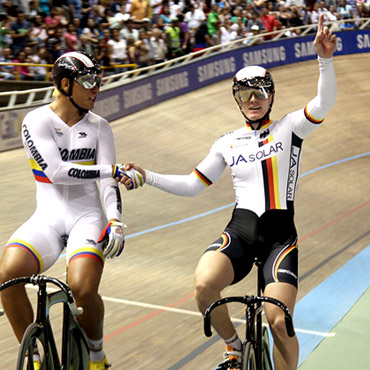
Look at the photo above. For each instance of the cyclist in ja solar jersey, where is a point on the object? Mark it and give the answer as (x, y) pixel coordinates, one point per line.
(264, 158)
(69, 149)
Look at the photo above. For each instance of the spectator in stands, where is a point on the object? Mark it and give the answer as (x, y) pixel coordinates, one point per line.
(54, 19)
(283, 16)
(158, 45)
(269, 22)
(19, 31)
(296, 19)
(23, 72)
(7, 72)
(202, 39)
(173, 40)
(314, 14)
(39, 30)
(194, 17)
(122, 16)
(128, 30)
(164, 20)
(213, 22)
(176, 8)
(86, 46)
(225, 32)
(156, 7)
(56, 44)
(4, 28)
(143, 48)
(139, 9)
(91, 32)
(255, 20)
(87, 11)
(43, 6)
(334, 17)
(119, 50)
(345, 10)
(41, 56)
(363, 11)
(104, 57)
(71, 38)
(251, 37)
(184, 35)
(74, 7)
(132, 52)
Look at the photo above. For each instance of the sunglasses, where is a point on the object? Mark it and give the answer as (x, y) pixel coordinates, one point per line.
(244, 93)
(89, 81)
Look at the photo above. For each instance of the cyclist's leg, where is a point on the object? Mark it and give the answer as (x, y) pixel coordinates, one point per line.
(224, 263)
(213, 273)
(84, 276)
(281, 277)
(29, 251)
(85, 266)
(285, 352)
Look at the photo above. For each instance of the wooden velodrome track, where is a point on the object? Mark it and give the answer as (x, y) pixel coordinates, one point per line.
(151, 319)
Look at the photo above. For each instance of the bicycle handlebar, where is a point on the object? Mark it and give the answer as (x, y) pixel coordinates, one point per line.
(43, 280)
(248, 300)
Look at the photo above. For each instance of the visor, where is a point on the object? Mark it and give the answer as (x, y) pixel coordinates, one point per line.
(89, 81)
(243, 93)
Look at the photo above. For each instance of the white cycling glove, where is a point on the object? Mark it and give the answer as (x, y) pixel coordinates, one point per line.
(112, 239)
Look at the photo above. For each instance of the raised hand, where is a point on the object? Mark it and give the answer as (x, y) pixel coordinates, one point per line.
(325, 42)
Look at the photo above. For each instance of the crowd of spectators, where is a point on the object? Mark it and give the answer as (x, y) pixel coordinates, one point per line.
(145, 32)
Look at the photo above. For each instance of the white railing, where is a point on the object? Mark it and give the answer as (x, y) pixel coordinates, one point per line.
(110, 82)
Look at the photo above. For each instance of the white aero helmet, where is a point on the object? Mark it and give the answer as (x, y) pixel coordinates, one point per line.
(253, 80)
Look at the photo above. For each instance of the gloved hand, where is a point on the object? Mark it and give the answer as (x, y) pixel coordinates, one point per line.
(112, 239)
(136, 177)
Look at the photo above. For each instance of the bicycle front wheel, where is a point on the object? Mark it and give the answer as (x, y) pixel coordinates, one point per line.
(266, 358)
(248, 357)
(34, 342)
(78, 350)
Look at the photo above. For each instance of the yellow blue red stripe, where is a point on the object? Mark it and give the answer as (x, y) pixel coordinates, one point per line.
(29, 248)
(38, 172)
(87, 252)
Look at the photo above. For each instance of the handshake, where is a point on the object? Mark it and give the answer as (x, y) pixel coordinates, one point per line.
(130, 177)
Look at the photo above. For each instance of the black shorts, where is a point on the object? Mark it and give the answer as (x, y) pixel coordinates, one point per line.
(272, 238)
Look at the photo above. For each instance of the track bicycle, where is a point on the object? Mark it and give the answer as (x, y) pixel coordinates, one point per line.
(256, 346)
(38, 337)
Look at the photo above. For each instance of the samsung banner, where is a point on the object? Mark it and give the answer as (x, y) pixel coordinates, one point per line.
(132, 97)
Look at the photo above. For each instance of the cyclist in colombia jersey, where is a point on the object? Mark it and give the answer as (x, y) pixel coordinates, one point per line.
(69, 149)
(264, 159)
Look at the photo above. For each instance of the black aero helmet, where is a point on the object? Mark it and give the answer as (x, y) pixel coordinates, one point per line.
(253, 80)
(74, 65)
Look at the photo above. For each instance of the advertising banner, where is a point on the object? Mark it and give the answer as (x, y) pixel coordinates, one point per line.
(203, 71)
(130, 98)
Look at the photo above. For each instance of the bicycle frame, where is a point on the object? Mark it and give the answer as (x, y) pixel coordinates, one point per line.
(253, 313)
(71, 330)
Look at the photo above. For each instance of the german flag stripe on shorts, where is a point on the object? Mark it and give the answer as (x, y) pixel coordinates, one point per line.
(281, 257)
